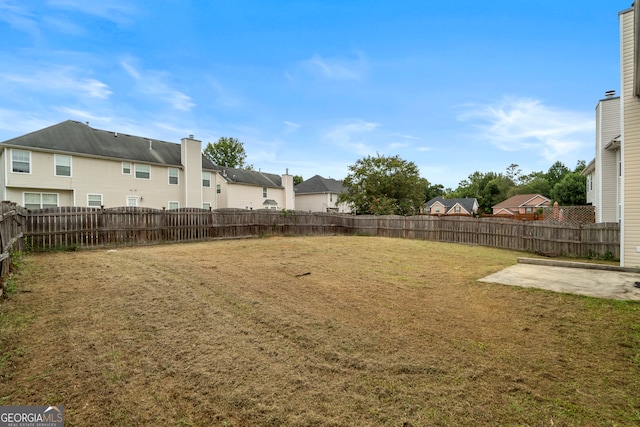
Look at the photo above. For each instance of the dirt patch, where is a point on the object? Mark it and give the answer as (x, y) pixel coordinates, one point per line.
(312, 331)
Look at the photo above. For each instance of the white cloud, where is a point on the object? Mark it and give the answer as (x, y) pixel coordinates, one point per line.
(60, 79)
(352, 136)
(119, 11)
(291, 126)
(528, 124)
(19, 17)
(337, 68)
(154, 84)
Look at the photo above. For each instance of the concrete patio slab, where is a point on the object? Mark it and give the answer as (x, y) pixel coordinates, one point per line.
(595, 280)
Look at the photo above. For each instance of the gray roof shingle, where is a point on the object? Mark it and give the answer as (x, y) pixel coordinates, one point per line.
(467, 203)
(318, 184)
(78, 138)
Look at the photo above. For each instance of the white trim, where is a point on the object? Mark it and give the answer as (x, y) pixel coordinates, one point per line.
(40, 193)
(55, 165)
(169, 176)
(135, 199)
(135, 171)
(30, 162)
(95, 194)
(622, 96)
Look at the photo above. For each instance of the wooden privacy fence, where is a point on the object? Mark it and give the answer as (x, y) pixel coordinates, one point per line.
(12, 221)
(67, 227)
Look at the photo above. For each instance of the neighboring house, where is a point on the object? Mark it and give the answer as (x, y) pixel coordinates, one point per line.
(318, 194)
(630, 136)
(604, 181)
(521, 204)
(245, 189)
(73, 164)
(441, 206)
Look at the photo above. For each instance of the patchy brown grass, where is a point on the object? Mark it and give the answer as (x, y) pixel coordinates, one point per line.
(305, 331)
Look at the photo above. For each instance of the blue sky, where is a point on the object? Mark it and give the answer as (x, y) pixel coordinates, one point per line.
(313, 86)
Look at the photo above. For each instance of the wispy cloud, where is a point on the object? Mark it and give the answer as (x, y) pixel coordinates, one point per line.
(19, 17)
(291, 126)
(527, 124)
(354, 136)
(155, 84)
(335, 68)
(60, 79)
(119, 11)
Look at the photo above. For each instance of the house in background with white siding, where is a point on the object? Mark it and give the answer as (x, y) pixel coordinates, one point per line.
(603, 177)
(318, 194)
(73, 164)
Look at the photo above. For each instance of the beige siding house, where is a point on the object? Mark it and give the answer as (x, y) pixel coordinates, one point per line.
(73, 164)
(630, 130)
(318, 194)
(603, 173)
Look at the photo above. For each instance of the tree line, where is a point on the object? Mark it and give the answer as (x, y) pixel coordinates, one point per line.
(390, 185)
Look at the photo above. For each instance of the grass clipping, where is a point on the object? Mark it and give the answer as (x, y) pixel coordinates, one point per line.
(311, 331)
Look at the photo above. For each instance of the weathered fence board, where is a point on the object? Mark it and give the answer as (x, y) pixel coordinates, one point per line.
(12, 226)
(92, 227)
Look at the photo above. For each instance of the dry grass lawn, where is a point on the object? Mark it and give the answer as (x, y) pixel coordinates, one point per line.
(300, 331)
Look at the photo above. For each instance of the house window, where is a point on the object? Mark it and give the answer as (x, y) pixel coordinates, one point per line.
(206, 179)
(63, 165)
(218, 189)
(528, 210)
(21, 161)
(94, 200)
(437, 209)
(40, 200)
(264, 191)
(174, 205)
(143, 171)
(132, 201)
(126, 168)
(456, 209)
(330, 197)
(173, 176)
(206, 205)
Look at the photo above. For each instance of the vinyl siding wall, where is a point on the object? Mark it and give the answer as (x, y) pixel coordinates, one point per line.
(607, 128)
(100, 176)
(630, 235)
(243, 196)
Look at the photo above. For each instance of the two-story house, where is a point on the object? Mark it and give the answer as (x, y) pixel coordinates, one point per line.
(456, 206)
(318, 194)
(73, 164)
(604, 180)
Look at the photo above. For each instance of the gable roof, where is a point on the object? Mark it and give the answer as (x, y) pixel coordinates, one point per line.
(467, 203)
(73, 137)
(250, 177)
(522, 200)
(317, 184)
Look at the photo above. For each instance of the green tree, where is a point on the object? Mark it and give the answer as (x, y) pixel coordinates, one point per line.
(571, 190)
(431, 190)
(228, 152)
(556, 172)
(488, 188)
(297, 179)
(383, 186)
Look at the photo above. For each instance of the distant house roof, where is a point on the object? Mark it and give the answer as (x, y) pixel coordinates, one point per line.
(250, 177)
(78, 138)
(468, 203)
(522, 200)
(317, 184)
